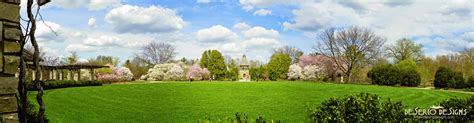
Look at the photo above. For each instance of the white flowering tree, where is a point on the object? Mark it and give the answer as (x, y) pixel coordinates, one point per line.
(312, 72)
(126, 73)
(294, 72)
(158, 72)
(175, 73)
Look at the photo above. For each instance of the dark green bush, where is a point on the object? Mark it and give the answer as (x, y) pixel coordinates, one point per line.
(410, 77)
(442, 76)
(356, 108)
(392, 75)
(470, 81)
(64, 84)
(460, 103)
(445, 77)
(457, 81)
(384, 75)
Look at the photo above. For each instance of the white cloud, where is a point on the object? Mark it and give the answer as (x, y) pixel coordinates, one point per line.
(241, 26)
(91, 23)
(203, 1)
(262, 12)
(390, 19)
(261, 43)
(80, 48)
(103, 4)
(90, 4)
(217, 33)
(103, 40)
(266, 3)
(313, 17)
(136, 19)
(253, 40)
(45, 31)
(261, 32)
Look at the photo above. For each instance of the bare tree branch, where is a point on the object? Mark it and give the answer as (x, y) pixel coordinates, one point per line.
(351, 48)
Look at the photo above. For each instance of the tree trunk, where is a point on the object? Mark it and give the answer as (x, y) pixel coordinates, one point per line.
(37, 80)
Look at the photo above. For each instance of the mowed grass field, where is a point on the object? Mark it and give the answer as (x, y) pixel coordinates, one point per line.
(188, 102)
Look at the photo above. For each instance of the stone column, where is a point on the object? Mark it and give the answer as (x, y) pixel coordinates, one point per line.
(91, 71)
(61, 75)
(55, 74)
(69, 75)
(50, 74)
(79, 75)
(9, 59)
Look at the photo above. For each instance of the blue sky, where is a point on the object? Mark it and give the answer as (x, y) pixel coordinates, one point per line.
(252, 27)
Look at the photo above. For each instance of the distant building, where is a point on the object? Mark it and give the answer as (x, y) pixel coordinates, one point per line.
(244, 74)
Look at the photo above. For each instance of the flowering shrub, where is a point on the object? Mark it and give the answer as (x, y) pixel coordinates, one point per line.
(196, 73)
(175, 73)
(294, 72)
(126, 73)
(117, 75)
(168, 71)
(312, 72)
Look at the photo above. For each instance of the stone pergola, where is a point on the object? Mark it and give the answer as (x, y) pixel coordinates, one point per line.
(57, 72)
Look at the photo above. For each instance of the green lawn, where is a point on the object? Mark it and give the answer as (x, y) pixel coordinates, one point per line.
(188, 102)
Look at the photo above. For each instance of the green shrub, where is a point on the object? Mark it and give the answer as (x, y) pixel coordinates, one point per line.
(356, 108)
(457, 81)
(64, 84)
(470, 81)
(445, 77)
(384, 75)
(442, 76)
(409, 77)
(460, 103)
(393, 75)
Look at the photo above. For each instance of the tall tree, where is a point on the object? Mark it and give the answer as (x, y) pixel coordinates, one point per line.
(278, 66)
(156, 53)
(204, 62)
(350, 48)
(214, 62)
(293, 51)
(405, 49)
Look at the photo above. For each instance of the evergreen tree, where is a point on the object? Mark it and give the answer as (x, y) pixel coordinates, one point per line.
(214, 62)
(278, 66)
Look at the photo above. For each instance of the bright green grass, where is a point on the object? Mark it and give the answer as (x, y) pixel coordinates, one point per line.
(188, 102)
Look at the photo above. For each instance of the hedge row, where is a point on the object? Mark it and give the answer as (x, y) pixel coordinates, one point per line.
(392, 75)
(64, 84)
(356, 108)
(365, 107)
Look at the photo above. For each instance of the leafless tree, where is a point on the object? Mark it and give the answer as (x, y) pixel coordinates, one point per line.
(293, 51)
(156, 53)
(51, 60)
(350, 48)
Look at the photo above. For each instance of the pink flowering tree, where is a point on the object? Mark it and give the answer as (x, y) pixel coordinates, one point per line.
(318, 66)
(195, 72)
